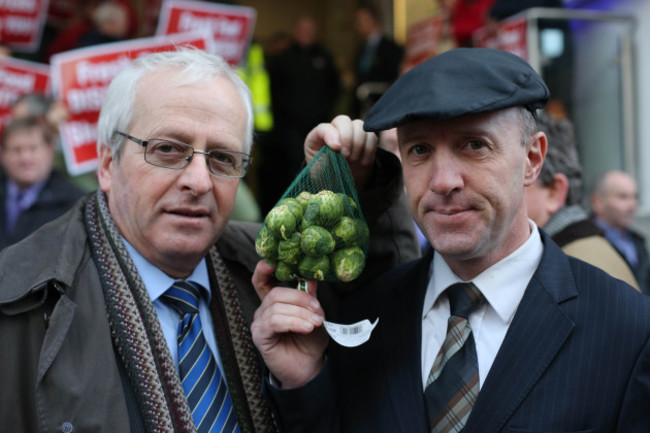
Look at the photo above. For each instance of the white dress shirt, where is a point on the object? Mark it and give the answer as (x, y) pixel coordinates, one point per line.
(157, 282)
(503, 285)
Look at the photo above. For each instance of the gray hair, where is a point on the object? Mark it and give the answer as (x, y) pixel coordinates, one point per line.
(561, 156)
(528, 125)
(193, 65)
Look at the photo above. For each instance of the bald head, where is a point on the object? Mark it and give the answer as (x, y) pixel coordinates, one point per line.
(614, 200)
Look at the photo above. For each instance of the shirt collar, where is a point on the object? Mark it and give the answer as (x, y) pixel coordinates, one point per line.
(157, 282)
(503, 284)
(374, 38)
(612, 231)
(28, 195)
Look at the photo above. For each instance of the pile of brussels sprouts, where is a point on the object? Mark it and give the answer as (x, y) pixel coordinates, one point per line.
(314, 236)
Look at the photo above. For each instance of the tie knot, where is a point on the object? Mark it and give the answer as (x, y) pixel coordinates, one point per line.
(464, 298)
(183, 296)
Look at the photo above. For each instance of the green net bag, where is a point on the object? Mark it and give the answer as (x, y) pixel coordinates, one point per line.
(316, 231)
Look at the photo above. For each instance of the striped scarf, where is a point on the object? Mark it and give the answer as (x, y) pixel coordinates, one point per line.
(139, 339)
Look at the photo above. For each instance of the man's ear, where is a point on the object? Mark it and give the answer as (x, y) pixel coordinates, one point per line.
(535, 154)
(557, 192)
(105, 169)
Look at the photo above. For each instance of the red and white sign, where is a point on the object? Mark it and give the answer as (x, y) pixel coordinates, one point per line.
(423, 40)
(231, 26)
(80, 79)
(510, 36)
(21, 23)
(18, 78)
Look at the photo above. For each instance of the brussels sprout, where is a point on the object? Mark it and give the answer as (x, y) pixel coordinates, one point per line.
(345, 232)
(304, 223)
(303, 199)
(294, 206)
(348, 263)
(349, 205)
(285, 272)
(289, 251)
(281, 221)
(314, 268)
(324, 208)
(266, 244)
(316, 241)
(363, 233)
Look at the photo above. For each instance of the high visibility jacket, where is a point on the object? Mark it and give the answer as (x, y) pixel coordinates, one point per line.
(256, 77)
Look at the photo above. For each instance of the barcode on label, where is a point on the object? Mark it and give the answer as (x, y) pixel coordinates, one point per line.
(352, 330)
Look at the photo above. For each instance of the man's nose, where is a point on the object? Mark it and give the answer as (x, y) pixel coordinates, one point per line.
(446, 173)
(196, 176)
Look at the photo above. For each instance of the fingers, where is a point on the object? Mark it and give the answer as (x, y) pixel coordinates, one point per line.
(345, 135)
(357, 145)
(285, 310)
(324, 134)
(261, 278)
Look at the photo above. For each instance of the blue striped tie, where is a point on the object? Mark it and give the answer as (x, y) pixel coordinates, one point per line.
(204, 386)
(453, 384)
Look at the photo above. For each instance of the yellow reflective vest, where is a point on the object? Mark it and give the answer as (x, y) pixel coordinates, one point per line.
(255, 76)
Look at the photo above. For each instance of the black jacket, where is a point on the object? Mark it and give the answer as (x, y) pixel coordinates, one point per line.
(57, 196)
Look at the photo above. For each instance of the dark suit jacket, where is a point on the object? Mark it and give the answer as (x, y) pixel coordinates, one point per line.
(57, 196)
(384, 68)
(576, 358)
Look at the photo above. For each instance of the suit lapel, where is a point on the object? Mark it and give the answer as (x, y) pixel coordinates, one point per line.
(401, 340)
(536, 334)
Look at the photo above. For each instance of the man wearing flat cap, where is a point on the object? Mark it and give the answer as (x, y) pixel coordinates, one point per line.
(496, 329)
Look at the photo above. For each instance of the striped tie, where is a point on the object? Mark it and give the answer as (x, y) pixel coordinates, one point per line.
(452, 386)
(205, 388)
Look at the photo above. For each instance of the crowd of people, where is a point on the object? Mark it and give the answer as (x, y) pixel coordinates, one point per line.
(505, 303)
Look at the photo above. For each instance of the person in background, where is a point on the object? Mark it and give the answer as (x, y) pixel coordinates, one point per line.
(98, 309)
(32, 192)
(554, 203)
(614, 202)
(110, 23)
(377, 62)
(388, 141)
(53, 112)
(305, 86)
(495, 329)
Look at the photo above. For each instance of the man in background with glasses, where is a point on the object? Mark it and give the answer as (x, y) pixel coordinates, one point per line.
(132, 311)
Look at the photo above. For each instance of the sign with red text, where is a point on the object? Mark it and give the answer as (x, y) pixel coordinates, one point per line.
(230, 26)
(21, 23)
(510, 36)
(423, 40)
(80, 79)
(18, 78)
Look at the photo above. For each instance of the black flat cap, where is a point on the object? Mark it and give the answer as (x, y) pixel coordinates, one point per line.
(459, 82)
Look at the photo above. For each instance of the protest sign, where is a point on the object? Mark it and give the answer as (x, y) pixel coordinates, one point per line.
(80, 79)
(231, 26)
(510, 36)
(18, 78)
(21, 23)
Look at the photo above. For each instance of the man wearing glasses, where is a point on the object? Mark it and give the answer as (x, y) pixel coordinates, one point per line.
(132, 311)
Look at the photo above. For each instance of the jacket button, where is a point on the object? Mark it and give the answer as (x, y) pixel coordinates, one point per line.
(67, 427)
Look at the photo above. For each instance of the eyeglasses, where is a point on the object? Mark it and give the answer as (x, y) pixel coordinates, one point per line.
(176, 155)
